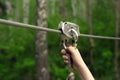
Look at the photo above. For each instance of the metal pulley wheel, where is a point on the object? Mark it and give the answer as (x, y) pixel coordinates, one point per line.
(69, 30)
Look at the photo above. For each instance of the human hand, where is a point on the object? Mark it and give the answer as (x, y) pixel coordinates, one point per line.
(78, 63)
(75, 55)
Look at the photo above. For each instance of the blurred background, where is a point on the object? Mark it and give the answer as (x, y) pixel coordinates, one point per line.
(23, 57)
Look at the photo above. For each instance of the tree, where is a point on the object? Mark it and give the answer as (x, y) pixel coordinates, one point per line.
(89, 5)
(17, 10)
(74, 9)
(2, 10)
(41, 52)
(62, 9)
(53, 2)
(82, 9)
(26, 11)
(116, 72)
(9, 9)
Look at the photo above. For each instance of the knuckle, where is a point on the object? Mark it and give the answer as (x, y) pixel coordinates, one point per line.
(63, 51)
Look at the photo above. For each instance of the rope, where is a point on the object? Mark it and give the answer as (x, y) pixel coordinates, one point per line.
(17, 24)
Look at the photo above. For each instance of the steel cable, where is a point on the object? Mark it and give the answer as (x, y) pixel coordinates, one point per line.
(17, 24)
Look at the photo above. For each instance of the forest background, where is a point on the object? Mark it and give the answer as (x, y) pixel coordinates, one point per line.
(98, 17)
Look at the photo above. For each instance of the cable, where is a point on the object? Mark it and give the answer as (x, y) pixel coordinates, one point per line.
(100, 37)
(17, 24)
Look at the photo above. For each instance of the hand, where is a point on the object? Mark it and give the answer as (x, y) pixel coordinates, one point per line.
(78, 63)
(76, 57)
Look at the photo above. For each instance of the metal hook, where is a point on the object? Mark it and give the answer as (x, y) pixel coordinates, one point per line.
(69, 30)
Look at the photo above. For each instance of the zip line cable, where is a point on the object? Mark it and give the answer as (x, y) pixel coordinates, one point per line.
(17, 24)
(100, 37)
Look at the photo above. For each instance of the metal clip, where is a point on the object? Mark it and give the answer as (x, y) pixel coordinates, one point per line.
(69, 31)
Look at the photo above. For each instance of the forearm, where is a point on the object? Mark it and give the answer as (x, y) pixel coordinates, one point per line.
(78, 63)
(84, 72)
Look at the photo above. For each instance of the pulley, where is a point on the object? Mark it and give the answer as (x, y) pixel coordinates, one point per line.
(69, 31)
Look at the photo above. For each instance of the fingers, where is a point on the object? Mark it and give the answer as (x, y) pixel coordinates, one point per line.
(71, 49)
(66, 61)
(64, 56)
(63, 52)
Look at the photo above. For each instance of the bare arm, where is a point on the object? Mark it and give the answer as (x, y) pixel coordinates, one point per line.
(78, 63)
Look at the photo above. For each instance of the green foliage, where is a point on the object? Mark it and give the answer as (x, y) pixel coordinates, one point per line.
(17, 44)
(17, 52)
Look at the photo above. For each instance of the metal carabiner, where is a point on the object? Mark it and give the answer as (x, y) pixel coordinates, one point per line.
(69, 30)
(71, 75)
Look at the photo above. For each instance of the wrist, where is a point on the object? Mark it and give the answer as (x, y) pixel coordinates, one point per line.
(79, 64)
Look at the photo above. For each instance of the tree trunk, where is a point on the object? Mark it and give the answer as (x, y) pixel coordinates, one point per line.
(41, 53)
(17, 11)
(116, 71)
(9, 9)
(74, 8)
(82, 9)
(53, 2)
(26, 11)
(2, 10)
(62, 9)
(89, 5)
